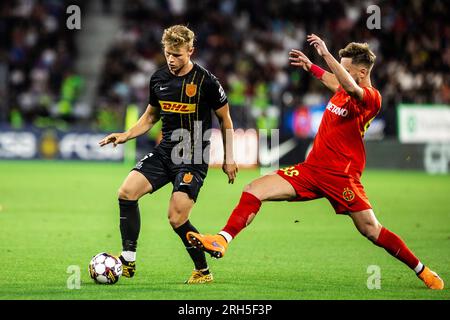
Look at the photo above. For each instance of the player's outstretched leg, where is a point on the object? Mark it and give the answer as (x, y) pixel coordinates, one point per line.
(269, 187)
(133, 188)
(179, 209)
(366, 222)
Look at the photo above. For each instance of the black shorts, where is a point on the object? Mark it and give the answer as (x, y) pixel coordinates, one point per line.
(159, 170)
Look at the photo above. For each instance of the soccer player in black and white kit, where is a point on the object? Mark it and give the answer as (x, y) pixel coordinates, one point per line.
(183, 95)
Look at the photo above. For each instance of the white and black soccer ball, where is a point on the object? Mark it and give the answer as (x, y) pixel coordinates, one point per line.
(105, 268)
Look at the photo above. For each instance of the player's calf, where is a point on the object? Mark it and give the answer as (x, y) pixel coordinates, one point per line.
(197, 256)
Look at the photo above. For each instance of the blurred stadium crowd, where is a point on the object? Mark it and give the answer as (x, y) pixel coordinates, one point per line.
(37, 53)
(244, 43)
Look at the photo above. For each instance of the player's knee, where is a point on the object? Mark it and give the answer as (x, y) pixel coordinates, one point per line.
(176, 220)
(250, 188)
(126, 193)
(371, 232)
(179, 208)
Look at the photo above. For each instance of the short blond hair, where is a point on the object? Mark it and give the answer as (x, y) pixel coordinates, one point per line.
(177, 36)
(360, 54)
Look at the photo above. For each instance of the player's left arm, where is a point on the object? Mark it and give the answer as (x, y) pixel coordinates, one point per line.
(345, 79)
(226, 124)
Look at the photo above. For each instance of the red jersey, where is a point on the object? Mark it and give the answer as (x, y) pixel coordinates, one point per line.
(338, 145)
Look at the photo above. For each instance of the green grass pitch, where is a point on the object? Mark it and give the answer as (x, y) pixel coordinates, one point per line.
(59, 214)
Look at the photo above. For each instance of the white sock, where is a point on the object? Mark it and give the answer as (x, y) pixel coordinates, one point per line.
(226, 235)
(418, 268)
(129, 255)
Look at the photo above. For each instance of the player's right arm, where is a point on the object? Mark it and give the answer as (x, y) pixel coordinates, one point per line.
(299, 59)
(145, 123)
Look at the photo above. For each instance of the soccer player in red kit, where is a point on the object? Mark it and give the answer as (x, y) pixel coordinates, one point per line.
(334, 166)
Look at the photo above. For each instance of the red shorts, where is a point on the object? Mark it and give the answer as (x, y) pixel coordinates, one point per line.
(345, 193)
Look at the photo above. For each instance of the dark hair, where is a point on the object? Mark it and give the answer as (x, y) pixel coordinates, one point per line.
(360, 54)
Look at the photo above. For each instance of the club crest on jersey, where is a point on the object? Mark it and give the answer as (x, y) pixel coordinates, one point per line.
(191, 90)
(187, 178)
(177, 107)
(348, 194)
(337, 110)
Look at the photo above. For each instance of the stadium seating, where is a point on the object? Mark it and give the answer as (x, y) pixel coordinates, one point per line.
(244, 43)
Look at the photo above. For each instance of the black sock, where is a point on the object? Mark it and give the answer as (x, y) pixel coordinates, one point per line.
(130, 224)
(197, 256)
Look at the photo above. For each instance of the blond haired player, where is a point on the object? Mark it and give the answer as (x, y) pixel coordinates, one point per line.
(183, 95)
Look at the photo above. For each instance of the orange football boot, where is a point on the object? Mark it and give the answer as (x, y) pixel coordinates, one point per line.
(215, 245)
(431, 279)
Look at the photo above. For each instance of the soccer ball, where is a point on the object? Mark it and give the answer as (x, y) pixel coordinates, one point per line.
(105, 268)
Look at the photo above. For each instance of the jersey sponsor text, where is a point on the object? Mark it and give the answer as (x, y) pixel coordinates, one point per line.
(177, 107)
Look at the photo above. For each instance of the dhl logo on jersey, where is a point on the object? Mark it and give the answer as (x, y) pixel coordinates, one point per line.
(177, 107)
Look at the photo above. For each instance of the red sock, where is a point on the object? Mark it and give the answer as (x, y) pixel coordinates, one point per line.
(396, 247)
(242, 215)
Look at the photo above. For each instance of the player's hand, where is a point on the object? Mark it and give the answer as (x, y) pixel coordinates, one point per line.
(299, 59)
(231, 170)
(114, 138)
(318, 43)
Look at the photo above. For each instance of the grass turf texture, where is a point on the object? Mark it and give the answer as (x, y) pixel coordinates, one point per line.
(57, 214)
